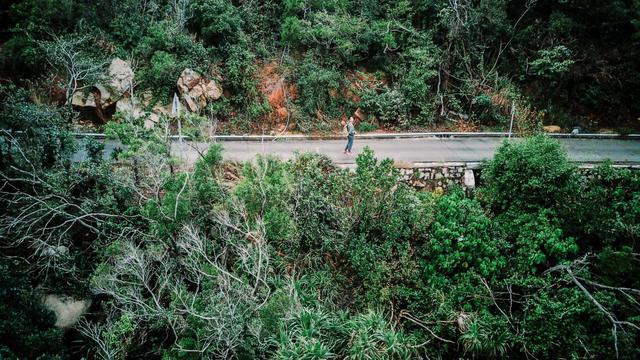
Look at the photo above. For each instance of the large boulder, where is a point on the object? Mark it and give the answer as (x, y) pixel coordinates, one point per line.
(187, 80)
(192, 105)
(196, 90)
(106, 98)
(78, 99)
(121, 76)
(111, 95)
(213, 91)
(99, 95)
(103, 95)
(126, 106)
(118, 83)
(552, 128)
(97, 103)
(66, 309)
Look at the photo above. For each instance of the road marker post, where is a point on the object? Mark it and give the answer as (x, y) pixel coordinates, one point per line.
(513, 113)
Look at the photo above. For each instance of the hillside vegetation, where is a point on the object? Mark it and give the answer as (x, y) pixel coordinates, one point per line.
(305, 65)
(135, 256)
(301, 259)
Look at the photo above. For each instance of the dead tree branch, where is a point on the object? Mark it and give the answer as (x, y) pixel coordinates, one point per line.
(579, 282)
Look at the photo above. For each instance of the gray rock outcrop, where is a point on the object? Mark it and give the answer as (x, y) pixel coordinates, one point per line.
(197, 91)
(121, 76)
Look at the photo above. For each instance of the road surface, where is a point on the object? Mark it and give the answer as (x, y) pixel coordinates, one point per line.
(406, 150)
(413, 150)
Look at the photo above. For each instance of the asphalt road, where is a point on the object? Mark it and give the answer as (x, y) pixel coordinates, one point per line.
(407, 150)
(415, 150)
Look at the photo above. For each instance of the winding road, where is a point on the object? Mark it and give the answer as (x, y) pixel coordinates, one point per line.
(411, 150)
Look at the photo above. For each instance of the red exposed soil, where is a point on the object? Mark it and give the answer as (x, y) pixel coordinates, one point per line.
(274, 86)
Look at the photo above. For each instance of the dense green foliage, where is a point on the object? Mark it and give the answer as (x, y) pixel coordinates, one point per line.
(301, 259)
(428, 62)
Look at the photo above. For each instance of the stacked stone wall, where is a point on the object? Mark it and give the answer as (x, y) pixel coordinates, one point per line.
(586, 170)
(441, 177)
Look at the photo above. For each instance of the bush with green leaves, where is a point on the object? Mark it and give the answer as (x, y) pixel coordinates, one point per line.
(389, 106)
(365, 127)
(536, 240)
(166, 52)
(218, 22)
(530, 174)
(303, 259)
(487, 112)
(316, 82)
(609, 207)
(373, 337)
(265, 192)
(37, 134)
(460, 242)
(552, 62)
(417, 81)
(317, 191)
(309, 334)
(387, 219)
(163, 68)
(239, 70)
(487, 335)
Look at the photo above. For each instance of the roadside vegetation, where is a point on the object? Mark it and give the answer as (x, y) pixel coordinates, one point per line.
(301, 259)
(271, 67)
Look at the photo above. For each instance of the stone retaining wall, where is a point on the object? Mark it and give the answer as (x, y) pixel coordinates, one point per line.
(440, 177)
(587, 169)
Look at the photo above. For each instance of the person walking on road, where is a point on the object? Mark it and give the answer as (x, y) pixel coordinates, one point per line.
(351, 133)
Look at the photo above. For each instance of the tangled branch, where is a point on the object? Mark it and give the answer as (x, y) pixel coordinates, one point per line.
(580, 283)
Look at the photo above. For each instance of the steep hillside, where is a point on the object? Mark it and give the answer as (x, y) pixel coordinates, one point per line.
(299, 65)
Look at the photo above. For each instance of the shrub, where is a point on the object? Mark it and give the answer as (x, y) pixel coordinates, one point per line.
(318, 216)
(536, 240)
(291, 30)
(364, 127)
(162, 73)
(487, 335)
(530, 174)
(552, 62)
(416, 83)
(309, 334)
(266, 191)
(486, 111)
(239, 70)
(217, 21)
(609, 207)
(389, 106)
(373, 337)
(315, 83)
(460, 242)
(386, 220)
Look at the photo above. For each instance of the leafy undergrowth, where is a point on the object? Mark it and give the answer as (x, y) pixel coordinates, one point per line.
(304, 260)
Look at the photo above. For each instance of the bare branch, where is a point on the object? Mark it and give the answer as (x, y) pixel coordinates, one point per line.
(615, 323)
